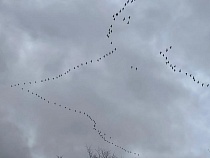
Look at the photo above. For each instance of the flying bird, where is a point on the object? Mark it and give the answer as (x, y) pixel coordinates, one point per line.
(166, 49)
(170, 47)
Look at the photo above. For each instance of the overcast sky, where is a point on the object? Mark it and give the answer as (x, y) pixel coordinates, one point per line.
(152, 111)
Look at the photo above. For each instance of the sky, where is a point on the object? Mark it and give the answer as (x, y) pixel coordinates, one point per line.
(154, 111)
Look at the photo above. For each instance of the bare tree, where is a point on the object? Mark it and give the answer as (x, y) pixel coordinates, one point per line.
(99, 153)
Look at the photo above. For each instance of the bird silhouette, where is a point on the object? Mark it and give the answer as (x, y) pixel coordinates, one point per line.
(170, 47)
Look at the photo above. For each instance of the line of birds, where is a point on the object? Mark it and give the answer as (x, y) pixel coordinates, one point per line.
(66, 72)
(104, 136)
(175, 69)
(101, 134)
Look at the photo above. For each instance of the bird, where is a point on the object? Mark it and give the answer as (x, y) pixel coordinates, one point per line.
(166, 49)
(207, 85)
(180, 70)
(160, 52)
(186, 73)
(86, 63)
(131, 67)
(129, 17)
(111, 42)
(136, 68)
(91, 61)
(128, 22)
(124, 19)
(198, 82)
(202, 84)
(116, 14)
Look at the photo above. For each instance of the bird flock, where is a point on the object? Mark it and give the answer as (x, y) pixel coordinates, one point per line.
(102, 135)
(105, 137)
(175, 68)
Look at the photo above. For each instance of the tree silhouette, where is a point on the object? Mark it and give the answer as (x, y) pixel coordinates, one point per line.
(99, 153)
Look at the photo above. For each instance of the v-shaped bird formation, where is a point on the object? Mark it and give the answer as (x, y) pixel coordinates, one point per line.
(103, 135)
